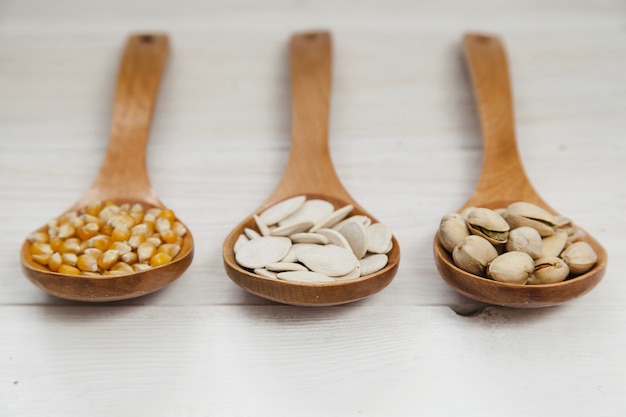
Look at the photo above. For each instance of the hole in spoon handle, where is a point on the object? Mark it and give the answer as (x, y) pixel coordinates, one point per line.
(502, 171)
(123, 173)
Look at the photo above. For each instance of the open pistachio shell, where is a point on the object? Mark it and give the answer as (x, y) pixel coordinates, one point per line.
(549, 270)
(473, 254)
(554, 245)
(522, 213)
(488, 224)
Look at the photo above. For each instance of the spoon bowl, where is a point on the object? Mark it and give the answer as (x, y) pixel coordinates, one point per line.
(502, 182)
(122, 179)
(309, 172)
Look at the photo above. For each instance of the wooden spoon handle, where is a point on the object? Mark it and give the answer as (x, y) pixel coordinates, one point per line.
(123, 174)
(309, 168)
(502, 173)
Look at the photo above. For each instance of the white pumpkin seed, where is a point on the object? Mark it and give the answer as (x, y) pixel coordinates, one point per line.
(329, 260)
(292, 255)
(373, 263)
(265, 273)
(262, 251)
(378, 238)
(333, 218)
(285, 266)
(290, 229)
(335, 238)
(364, 220)
(309, 238)
(312, 210)
(356, 235)
(355, 273)
(240, 241)
(279, 211)
(263, 229)
(251, 233)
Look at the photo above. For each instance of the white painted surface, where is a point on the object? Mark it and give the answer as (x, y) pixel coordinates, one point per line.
(405, 142)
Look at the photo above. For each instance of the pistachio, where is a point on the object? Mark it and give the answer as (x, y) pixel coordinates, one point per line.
(554, 245)
(452, 230)
(525, 239)
(580, 257)
(488, 224)
(473, 254)
(549, 270)
(522, 213)
(511, 267)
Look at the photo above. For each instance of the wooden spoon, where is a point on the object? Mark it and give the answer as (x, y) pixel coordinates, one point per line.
(502, 182)
(123, 179)
(309, 172)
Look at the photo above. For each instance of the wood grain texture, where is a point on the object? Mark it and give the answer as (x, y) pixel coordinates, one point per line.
(310, 172)
(502, 182)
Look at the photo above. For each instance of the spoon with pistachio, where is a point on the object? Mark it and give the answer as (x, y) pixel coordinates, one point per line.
(308, 206)
(505, 213)
(118, 240)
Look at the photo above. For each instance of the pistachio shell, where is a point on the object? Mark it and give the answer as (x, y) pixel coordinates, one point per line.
(511, 267)
(554, 245)
(488, 224)
(549, 270)
(523, 213)
(525, 239)
(452, 229)
(473, 254)
(580, 257)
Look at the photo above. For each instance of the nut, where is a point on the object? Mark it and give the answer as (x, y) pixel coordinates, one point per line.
(511, 267)
(473, 254)
(525, 239)
(580, 257)
(488, 224)
(549, 270)
(522, 213)
(554, 245)
(452, 230)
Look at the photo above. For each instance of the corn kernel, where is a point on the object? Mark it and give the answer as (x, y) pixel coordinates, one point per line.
(122, 266)
(130, 258)
(162, 224)
(151, 214)
(93, 252)
(159, 259)
(120, 234)
(169, 236)
(141, 229)
(39, 248)
(168, 214)
(87, 263)
(108, 211)
(179, 228)
(69, 259)
(135, 240)
(155, 240)
(68, 270)
(145, 251)
(66, 230)
(141, 267)
(87, 231)
(101, 242)
(171, 249)
(38, 237)
(108, 259)
(55, 243)
(41, 258)
(122, 220)
(71, 245)
(120, 247)
(56, 260)
(93, 208)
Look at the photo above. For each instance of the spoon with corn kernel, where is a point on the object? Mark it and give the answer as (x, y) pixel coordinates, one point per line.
(118, 241)
(502, 182)
(309, 173)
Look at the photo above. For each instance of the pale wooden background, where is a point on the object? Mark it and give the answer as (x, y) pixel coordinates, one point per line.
(405, 142)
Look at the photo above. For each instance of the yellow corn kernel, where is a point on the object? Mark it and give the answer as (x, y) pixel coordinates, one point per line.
(120, 247)
(55, 243)
(168, 214)
(108, 211)
(171, 249)
(151, 214)
(55, 261)
(135, 240)
(66, 230)
(88, 218)
(69, 259)
(122, 220)
(141, 229)
(106, 229)
(155, 240)
(41, 258)
(110, 203)
(68, 269)
(88, 231)
(38, 237)
(108, 259)
(93, 208)
(87, 262)
(101, 242)
(130, 258)
(39, 248)
(179, 228)
(145, 251)
(124, 207)
(91, 274)
(169, 236)
(120, 234)
(141, 267)
(122, 266)
(159, 259)
(71, 245)
(162, 224)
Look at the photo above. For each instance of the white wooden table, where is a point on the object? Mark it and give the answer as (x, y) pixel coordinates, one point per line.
(406, 143)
